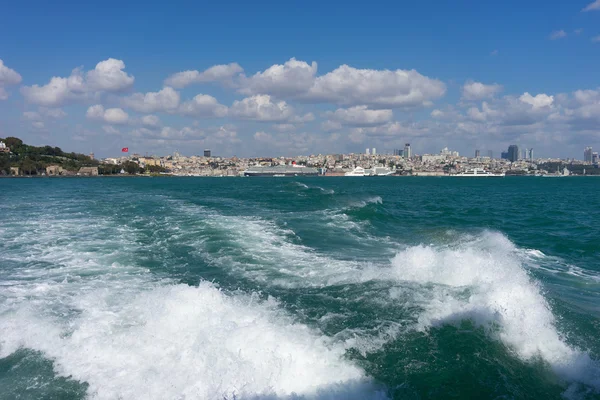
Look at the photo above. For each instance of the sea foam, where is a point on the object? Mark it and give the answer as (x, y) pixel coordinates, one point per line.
(483, 280)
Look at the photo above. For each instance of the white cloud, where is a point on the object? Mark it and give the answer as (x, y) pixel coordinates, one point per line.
(261, 108)
(108, 76)
(541, 100)
(217, 73)
(290, 79)
(110, 116)
(150, 120)
(592, 6)
(596, 39)
(284, 127)
(361, 116)
(558, 35)
(263, 137)
(344, 86)
(44, 113)
(376, 88)
(297, 119)
(331, 126)
(8, 77)
(494, 53)
(38, 125)
(165, 100)
(478, 91)
(578, 31)
(203, 105)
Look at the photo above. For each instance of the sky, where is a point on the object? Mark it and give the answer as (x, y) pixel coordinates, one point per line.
(296, 78)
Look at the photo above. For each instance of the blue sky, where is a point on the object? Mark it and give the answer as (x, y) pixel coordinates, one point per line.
(467, 75)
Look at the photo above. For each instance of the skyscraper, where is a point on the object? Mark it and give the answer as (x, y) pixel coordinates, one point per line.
(587, 154)
(490, 154)
(206, 153)
(530, 154)
(513, 153)
(374, 151)
(477, 154)
(407, 153)
(367, 151)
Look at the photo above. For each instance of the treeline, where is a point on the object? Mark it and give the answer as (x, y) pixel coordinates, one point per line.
(32, 160)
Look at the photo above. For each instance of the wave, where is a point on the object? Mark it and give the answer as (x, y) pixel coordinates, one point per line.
(483, 280)
(131, 334)
(319, 188)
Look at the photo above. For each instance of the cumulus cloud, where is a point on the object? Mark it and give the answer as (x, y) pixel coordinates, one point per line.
(107, 76)
(558, 35)
(290, 79)
(345, 85)
(360, 116)
(596, 39)
(478, 91)
(376, 88)
(109, 116)
(8, 77)
(541, 100)
(150, 120)
(592, 6)
(44, 113)
(261, 108)
(202, 105)
(164, 100)
(217, 73)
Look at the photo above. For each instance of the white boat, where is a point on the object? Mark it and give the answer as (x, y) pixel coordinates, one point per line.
(358, 171)
(479, 173)
(382, 171)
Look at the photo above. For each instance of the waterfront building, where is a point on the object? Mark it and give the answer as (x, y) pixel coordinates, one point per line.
(587, 155)
(513, 153)
(407, 151)
(595, 157)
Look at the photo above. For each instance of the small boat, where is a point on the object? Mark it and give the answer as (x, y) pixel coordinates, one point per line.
(358, 171)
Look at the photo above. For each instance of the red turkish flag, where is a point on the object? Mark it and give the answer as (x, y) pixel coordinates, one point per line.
(125, 149)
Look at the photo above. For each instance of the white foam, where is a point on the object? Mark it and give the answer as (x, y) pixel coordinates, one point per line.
(483, 280)
(129, 334)
(177, 341)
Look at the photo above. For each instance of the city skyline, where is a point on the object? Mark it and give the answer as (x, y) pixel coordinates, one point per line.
(156, 83)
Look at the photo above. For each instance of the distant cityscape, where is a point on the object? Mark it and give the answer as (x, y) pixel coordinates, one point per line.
(513, 161)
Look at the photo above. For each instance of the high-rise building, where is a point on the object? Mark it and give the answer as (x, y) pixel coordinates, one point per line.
(504, 155)
(407, 152)
(477, 154)
(524, 154)
(587, 154)
(530, 154)
(513, 153)
(367, 151)
(490, 154)
(206, 152)
(374, 152)
(595, 157)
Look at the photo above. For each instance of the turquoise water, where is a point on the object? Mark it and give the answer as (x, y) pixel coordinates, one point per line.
(313, 288)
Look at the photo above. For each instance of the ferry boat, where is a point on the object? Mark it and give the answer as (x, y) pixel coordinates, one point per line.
(358, 171)
(480, 173)
(280, 171)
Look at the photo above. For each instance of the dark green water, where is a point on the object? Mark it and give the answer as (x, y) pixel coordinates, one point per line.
(316, 288)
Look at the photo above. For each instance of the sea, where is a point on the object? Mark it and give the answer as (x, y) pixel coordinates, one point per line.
(300, 288)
